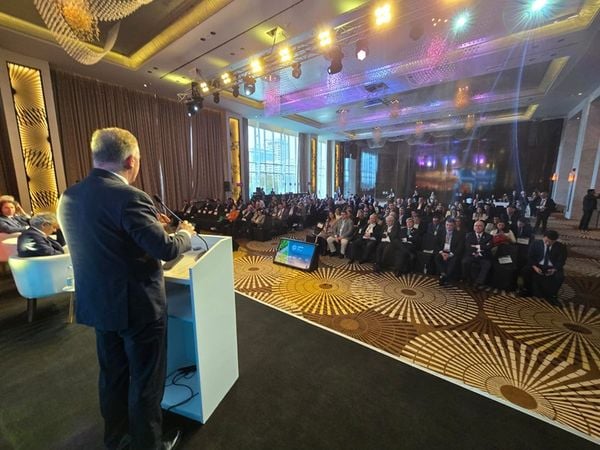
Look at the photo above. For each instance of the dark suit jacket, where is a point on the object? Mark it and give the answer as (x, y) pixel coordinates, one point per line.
(457, 244)
(413, 239)
(485, 243)
(116, 244)
(15, 225)
(377, 231)
(558, 254)
(393, 235)
(34, 242)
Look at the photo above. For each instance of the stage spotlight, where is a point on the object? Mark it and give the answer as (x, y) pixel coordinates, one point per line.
(193, 106)
(226, 78)
(249, 85)
(335, 55)
(538, 5)
(362, 50)
(204, 87)
(216, 97)
(383, 14)
(257, 66)
(285, 54)
(325, 39)
(296, 70)
(461, 22)
(235, 90)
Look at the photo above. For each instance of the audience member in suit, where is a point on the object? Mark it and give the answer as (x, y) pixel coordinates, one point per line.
(366, 241)
(590, 204)
(477, 261)
(10, 222)
(543, 275)
(449, 247)
(436, 227)
(544, 208)
(116, 243)
(406, 247)
(36, 240)
(341, 234)
(511, 217)
(389, 235)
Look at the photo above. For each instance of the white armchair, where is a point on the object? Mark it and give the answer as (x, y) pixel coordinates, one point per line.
(40, 276)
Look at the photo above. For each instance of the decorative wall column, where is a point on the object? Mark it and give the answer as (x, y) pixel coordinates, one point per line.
(564, 161)
(338, 175)
(26, 89)
(313, 164)
(235, 160)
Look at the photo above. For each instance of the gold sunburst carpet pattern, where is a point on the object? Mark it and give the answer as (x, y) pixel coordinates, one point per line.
(525, 352)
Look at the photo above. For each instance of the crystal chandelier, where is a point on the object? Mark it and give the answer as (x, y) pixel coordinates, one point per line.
(74, 24)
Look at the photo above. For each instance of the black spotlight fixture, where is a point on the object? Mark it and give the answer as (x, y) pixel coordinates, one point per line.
(249, 84)
(296, 70)
(216, 97)
(335, 55)
(194, 105)
(235, 90)
(362, 50)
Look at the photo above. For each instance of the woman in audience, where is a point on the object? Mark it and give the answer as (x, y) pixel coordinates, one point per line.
(479, 214)
(326, 231)
(502, 235)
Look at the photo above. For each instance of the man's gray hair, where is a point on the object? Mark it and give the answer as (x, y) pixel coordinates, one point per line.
(112, 146)
(42, 218)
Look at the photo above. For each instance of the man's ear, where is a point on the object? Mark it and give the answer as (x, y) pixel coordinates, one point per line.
(128, 163)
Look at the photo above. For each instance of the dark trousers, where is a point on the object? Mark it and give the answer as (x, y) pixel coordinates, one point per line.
(448, 267)
(541, 219)
(585, 220)
(476, 269)
(131, 383)
(404, 255)
(545, 286)
(362, 249)
(383, 252)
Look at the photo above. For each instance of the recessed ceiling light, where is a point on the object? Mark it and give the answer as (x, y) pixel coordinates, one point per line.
(580, 93)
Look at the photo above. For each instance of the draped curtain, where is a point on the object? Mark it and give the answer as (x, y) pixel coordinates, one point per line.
(8, 180)
(169, 168)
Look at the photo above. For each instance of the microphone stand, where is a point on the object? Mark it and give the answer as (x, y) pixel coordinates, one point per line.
(159, 200)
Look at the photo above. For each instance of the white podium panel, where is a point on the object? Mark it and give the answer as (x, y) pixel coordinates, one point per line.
(201, 331)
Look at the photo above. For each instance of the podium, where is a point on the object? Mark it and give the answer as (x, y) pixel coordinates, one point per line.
(201, 331)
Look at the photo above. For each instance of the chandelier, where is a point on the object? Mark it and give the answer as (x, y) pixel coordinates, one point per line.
(74, 24)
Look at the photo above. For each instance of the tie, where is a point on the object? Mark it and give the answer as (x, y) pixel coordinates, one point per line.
(478, 237)
(546, 256)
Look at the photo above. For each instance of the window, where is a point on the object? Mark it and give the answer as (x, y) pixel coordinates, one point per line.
(322, 169)
(368, 171)
(272, 160)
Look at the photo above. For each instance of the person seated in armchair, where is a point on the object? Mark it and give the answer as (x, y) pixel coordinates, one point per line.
(448, 252)
(366, 240)
(477, 261)
(10, 221)
(544, 275)
(36, 240)
(340, 235)
(385, 247)
(406, 247)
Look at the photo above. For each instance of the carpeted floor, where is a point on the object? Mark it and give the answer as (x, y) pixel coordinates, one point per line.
(538, 358)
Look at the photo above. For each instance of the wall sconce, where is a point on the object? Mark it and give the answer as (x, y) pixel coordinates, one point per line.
(554, 177)
(571, 178)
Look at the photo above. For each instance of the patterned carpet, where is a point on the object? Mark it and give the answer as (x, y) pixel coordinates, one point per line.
(540, 358)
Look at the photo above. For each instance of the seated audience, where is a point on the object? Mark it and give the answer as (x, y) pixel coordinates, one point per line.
(501, 235)
(477, 261)
(36, 240)
(341, 233)
(385, 248)
(366, 241)
(449, 249)
(406, 247)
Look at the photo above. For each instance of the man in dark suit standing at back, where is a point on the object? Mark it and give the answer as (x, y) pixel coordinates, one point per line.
(545, 207)
(116, 243)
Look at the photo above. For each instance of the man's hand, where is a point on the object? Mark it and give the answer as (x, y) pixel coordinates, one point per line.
(163, 219)
(537, 270)
(550, 271)
(186, 226)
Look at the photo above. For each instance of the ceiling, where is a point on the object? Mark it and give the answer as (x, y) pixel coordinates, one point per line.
(513, 63)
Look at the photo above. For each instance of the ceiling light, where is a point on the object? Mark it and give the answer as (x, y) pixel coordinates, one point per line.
(580, 93)
(538, 5)
(383, 14)
(216, 97)
(194, 105)
(285, 54)
(226, 78)
(257, 66)
(461, 21)
(249, 85)
(325, 38)
(204, 87)
(235, 90)
(296, 70)
(362, 50)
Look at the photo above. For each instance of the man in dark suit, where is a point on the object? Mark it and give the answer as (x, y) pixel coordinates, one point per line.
(406, 247)
(545, 207)
(477, 261)
(385, 247)
(448, 252)
(590, 204)
(365, 242)
(10, 221)
(36, 240)
(511, 217)
(116, 244)
(436, 227)
(543, 275)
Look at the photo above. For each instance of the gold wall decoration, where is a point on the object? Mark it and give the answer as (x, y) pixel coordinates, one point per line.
(236, 163)
(338, 166)
(313, 165)
(34, 135)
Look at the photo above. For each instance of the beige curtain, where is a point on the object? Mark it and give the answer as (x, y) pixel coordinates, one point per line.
(209, 154)
(161, 126)
(8, 180)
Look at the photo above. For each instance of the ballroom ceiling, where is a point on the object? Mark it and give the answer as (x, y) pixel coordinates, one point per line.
(426, 70)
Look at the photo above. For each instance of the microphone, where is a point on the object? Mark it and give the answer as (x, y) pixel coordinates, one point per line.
(161, 203)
